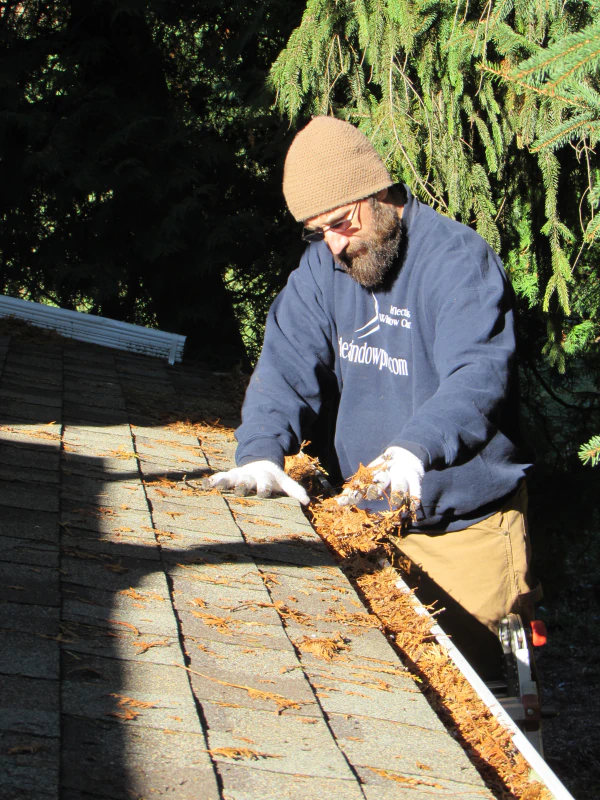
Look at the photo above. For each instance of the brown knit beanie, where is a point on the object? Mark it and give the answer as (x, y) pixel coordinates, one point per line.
(330, 163)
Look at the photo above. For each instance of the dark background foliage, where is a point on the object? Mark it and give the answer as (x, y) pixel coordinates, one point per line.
(140, 162)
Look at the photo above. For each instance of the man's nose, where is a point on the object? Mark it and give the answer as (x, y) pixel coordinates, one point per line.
(337, 242)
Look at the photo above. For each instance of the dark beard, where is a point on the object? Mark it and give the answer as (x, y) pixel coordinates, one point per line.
(371, 261)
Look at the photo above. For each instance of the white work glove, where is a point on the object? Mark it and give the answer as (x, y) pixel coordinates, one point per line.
(397, 472)
(263, 476)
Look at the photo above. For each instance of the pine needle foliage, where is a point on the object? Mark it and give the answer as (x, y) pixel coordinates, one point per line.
(490, 111)
(590, 452)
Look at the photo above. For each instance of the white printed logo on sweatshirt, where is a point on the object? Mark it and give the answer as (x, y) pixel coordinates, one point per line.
(396, 317)
(372, 325)
(377, 356)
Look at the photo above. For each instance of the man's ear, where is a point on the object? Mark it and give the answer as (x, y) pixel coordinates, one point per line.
(381, 194)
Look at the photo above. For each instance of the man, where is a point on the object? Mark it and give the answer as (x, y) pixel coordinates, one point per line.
(404, 319)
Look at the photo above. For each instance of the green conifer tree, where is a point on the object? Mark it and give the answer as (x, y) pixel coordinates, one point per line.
(489, 110)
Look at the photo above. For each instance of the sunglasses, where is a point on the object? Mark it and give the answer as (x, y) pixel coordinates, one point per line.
(340, 226)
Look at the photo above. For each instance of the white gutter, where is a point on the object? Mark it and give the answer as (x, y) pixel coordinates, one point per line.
(96, 330)
(540, 768)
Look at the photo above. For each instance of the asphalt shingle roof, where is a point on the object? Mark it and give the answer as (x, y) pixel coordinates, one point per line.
(153, 636)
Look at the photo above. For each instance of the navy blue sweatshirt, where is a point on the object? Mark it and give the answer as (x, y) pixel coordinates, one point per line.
(427, 364)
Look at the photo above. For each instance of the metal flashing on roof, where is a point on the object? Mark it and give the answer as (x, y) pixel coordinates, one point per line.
(96, 330)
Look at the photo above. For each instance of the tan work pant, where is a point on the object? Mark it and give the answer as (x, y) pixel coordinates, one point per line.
(478, 574)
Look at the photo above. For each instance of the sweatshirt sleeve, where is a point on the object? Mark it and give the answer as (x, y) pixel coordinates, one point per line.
(469, 304)
(284, 394)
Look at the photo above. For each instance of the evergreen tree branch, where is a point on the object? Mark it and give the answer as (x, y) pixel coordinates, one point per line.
(590, 451)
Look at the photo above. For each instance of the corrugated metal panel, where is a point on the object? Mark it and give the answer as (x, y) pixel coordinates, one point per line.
(96, 330)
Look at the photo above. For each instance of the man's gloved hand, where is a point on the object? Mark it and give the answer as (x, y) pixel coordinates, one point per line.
(264, 477)
(397, 472)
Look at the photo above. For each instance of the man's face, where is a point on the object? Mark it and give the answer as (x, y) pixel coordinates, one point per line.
(368, 248)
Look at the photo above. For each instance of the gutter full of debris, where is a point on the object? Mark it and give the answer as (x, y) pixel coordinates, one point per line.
(365, 545)
(540, 770)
